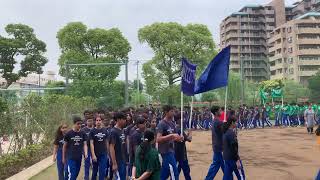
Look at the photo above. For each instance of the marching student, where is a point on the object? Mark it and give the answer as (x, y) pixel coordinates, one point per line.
(136, 139)
(57, 150)
(166, 135)
(309, 116)
(98, 147)
(117, 144)
(88, 160)
(146, 164)
(230, 152)
(74, 146)
(181, 152)
(217, 161)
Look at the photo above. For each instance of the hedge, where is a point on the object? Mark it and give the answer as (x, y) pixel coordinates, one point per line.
(11, 164)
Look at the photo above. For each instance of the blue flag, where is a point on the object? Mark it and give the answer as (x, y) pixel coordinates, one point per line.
(216, 74)
(188, 77)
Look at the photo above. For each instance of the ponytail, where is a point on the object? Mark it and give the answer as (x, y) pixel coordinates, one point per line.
(227, 124)
(146, 144)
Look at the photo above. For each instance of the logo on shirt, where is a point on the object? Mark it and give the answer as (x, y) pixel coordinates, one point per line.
(61, 141)
(76, 140)
(100, 136)
(123, 137)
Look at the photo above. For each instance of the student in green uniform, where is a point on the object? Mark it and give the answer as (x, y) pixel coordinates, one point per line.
(277, 110)
(285, 113)
(146, 164)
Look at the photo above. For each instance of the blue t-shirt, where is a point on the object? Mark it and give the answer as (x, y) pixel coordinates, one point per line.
(135, 140)
(216, 137)
(230, 145)
(75, 141)
(87, 131)
(99, 137)
(118, 139)
(59, 142)
(165, 128)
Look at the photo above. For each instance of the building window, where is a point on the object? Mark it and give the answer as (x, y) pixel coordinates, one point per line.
(289, 30)
(290, 40)
(291, 71)
(290, 50)
(290, 60)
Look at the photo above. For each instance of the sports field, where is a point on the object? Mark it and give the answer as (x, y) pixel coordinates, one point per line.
(267, 154)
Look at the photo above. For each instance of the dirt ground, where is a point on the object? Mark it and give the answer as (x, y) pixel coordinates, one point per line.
(267, 154)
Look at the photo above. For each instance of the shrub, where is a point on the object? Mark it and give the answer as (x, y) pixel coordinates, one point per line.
(11, 164)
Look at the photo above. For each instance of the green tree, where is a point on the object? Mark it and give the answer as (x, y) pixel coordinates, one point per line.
(55, 84)
(113, 95)
(79, 44)
(293, 90)
(134, 86)
(314, 86)
(22, 46)
(170, 42)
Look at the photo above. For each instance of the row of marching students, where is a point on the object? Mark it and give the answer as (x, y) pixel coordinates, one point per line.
(120, 149)
(225, 148)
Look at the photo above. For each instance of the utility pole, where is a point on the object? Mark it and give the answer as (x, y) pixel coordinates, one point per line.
(126, 93)
(138, 84)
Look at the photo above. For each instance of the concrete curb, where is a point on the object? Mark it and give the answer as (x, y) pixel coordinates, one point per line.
(33, 170)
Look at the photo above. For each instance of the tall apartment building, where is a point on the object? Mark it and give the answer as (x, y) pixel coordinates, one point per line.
(295, 48)
(249, 30)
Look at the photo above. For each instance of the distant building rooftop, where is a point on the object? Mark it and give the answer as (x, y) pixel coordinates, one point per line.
(308, 14)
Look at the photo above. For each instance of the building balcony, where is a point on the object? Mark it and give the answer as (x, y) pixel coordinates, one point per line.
(231, 19)
(256, 74)
(232, 27)
(269, 11)
(232, 35)
(308, 52)
(252, 27)
(307, 73)
(277, 66)
(309, 41)
(253, 35)
(308, 31)
(270, 20)
(278, 76)
(253, 51)
(309, 62)
(234, 66)
(276, 37)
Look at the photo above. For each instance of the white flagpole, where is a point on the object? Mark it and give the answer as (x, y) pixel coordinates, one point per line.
(191, 108)
(225, 103)
(181, 120)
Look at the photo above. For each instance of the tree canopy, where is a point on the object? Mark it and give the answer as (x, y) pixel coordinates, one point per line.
(314, 86)
(22, 47)
(79, 44)
(170, 42)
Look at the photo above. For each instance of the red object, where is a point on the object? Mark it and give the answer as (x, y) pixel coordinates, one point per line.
(222, 117)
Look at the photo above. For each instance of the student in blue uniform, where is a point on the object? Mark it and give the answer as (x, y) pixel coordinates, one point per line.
(88, 160)
(217, 161)
(98, 146)
(57, 150)
(137, 136)
(181, 152)
(117, 144)
(74, 146)
(230, 152)
(166, 136)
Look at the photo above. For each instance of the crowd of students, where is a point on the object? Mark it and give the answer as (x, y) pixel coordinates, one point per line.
(147, 143)
(286, 115)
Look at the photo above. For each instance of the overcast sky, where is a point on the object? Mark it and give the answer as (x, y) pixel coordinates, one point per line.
(47, 17)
